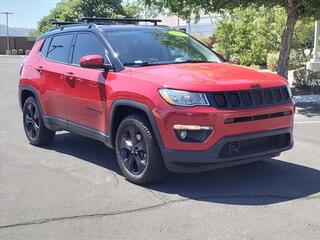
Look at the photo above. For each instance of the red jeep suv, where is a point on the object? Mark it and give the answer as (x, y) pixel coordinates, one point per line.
(157, 96)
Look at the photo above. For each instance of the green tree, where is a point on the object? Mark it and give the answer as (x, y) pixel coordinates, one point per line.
(295, 9)
(303, 36)
(73, 10)
(250, 33)
(133, 9)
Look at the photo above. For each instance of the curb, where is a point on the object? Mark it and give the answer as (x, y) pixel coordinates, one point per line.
(12, 56)
(307, 99)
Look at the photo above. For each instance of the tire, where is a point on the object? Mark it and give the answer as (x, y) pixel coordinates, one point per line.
(137, 151)
(33, 124)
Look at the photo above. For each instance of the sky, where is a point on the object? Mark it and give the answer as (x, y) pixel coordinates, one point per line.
(27, 13)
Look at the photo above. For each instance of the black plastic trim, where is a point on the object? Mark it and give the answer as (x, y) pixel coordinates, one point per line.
(257, 117)
(57, 124)
(131, 103)
(241, 104)
(197, 161)
(30, 89)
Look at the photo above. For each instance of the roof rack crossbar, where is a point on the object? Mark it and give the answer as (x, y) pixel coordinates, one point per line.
(98, 19)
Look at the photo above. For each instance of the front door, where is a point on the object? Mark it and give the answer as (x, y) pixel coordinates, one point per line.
(88, 108)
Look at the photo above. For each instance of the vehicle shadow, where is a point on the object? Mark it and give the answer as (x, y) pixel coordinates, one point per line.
(259, 183)
(308, 109)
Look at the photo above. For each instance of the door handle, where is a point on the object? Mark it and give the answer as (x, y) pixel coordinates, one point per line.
(70, 78)
(69, 75)
(39, 69)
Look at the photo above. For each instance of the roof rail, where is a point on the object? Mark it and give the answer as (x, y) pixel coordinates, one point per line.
(125, 20)
(59, 23)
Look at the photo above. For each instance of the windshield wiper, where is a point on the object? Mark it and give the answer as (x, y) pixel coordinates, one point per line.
(193, 61)
(146, 63)
(138, 64)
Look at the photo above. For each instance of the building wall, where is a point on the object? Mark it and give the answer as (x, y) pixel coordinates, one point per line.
(15, 43)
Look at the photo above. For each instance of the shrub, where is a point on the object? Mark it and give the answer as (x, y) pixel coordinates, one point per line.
(252, 32)
(234, 59)
(314, 82)
(301, 78)
(297, 60)
(272, 61)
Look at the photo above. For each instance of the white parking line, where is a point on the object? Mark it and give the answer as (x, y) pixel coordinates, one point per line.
(307, 122)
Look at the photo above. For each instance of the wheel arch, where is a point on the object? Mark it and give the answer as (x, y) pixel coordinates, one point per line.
(130, 106)
(25, 92)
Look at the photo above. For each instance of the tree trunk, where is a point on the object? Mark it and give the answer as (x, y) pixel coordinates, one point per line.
(292, 12)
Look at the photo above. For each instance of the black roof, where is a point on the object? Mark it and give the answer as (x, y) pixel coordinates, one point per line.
(105, 24)
(73, 27)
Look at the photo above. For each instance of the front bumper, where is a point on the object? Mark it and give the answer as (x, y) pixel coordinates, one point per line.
(230, 151)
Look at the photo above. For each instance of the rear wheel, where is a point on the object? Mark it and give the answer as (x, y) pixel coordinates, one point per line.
(36, 131)
(137, 151)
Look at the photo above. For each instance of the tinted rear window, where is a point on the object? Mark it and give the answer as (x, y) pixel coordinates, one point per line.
(87, 44)
(45, 45)
(60, 48)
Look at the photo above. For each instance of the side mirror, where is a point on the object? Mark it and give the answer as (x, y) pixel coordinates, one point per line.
(94, 61)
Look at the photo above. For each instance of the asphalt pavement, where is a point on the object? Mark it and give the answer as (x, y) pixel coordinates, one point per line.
(73, 189)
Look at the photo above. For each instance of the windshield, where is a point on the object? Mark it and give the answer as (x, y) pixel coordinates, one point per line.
(140, 47)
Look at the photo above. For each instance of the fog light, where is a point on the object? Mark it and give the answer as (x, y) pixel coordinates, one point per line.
(191, 127)
(192, 133)
(183, 134)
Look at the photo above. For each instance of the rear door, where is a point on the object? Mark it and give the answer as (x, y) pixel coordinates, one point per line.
(88, 103)
(53, 69)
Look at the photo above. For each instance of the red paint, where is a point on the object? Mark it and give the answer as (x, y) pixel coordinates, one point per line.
(92, 61)
(85, 96)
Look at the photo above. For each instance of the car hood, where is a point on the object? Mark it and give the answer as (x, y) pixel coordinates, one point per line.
(206, 76)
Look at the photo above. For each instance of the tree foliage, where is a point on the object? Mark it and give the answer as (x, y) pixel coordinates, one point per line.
(250, 33)
(73, 10)
(306, 8)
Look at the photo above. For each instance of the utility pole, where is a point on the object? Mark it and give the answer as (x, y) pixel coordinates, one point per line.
(314, 64)
(7, 20)
(316, 45)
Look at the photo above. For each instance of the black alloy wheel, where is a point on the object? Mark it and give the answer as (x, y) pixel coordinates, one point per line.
(137, 150)
(133, 150)
(32, 121)
(33, 124)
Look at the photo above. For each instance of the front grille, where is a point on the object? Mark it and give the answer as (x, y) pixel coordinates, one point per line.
(255, 145)
(234, 99)
(249, 98)
(220, 100)
(246, 98)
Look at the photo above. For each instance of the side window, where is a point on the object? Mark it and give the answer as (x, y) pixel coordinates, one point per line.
(45, 45)
(60, 48)
(86, 44)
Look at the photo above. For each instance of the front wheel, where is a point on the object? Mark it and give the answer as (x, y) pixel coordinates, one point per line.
(36, 131)
(137, 150)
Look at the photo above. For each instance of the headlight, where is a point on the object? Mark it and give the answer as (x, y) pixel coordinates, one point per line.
(184, 98)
